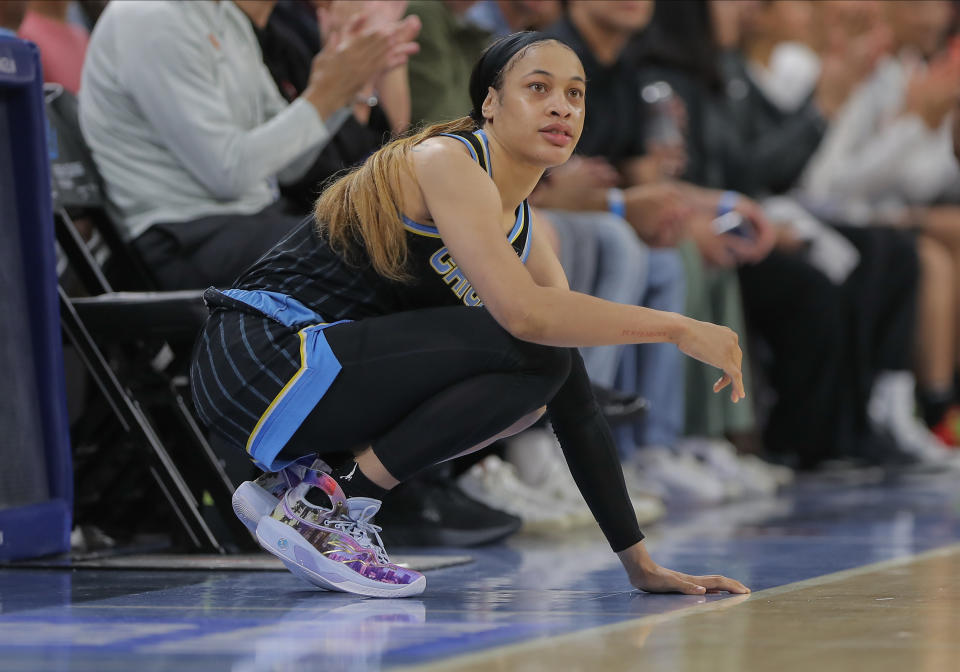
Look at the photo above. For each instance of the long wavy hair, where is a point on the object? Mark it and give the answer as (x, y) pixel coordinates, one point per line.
(362, 207)
(360, 210)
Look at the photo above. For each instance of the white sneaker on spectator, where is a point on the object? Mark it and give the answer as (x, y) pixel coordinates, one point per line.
(891, 409)
(683, 478)
(495, 483)
(742, 479)
(540, 463)
(783, 476)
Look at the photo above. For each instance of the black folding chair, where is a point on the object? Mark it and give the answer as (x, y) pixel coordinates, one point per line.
(124, 341)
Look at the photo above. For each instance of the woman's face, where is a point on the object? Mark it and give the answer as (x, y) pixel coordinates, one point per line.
(538, 115)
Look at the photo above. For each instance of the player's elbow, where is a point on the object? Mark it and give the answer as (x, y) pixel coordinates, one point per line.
(524, 322)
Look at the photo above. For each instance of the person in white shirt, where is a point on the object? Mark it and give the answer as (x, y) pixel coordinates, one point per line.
(192, 136)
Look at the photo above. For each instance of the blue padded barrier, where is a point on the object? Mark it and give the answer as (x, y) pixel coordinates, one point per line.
(36, 474)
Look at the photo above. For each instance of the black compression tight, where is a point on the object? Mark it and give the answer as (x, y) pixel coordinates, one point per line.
(425, 385)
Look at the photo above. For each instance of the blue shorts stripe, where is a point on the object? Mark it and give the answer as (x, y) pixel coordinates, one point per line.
(296, 401)
(273, 342)
(253, 355)
(233, 366)
(216, 379)
(220, 414)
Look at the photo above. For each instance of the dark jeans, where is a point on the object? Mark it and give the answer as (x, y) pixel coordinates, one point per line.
(211, 251)
(829, 341)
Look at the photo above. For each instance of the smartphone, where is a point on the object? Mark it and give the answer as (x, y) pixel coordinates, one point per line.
(733, 223)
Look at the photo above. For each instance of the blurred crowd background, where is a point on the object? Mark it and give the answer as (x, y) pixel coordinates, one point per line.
(785, 168)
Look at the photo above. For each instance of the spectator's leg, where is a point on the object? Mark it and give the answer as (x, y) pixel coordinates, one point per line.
(942, 224)
(659, 366)
(804, 319)
(713, 295)
(603, 257)
(211, 250)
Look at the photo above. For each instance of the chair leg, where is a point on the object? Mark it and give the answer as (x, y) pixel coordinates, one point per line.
(165, 472)
(207, 470)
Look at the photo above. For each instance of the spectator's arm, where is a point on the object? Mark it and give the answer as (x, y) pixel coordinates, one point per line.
(275, 104)
(393, 90)
(857, 160)
(170, 75)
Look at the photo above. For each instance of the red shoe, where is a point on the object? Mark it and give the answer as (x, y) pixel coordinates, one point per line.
(948, 429)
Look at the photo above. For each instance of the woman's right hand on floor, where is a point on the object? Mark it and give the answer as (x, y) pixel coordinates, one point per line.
(718, 346)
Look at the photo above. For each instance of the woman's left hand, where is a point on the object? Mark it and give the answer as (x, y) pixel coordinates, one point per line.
(663, 580)
(647, 575)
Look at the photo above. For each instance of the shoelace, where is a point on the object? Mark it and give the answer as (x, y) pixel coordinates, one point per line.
(362, 531)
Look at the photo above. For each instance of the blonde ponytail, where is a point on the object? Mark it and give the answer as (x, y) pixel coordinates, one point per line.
(363, 207)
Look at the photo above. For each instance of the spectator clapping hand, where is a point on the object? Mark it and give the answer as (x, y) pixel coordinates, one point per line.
(358, 48)
(376, 19)
(933, 93)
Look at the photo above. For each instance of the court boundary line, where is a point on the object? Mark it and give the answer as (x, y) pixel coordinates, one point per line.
(478, 657)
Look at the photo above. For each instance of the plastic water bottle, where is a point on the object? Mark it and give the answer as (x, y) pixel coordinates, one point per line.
(661, 127)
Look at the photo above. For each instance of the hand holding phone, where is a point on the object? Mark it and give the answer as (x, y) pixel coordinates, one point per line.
(733, 223)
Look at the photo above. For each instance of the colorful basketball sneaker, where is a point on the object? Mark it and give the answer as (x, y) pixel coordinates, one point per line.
(258, 498)
(336, 548)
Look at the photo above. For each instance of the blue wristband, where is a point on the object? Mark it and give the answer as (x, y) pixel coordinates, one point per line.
(728, 200)
(616, 203)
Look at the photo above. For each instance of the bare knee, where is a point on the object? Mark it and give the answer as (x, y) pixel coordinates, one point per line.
(936, 261)
(943, 224)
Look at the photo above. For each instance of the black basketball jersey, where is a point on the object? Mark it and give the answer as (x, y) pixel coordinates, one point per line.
(304, 267)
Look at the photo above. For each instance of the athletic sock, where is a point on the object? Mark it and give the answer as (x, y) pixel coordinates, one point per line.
(353, 482)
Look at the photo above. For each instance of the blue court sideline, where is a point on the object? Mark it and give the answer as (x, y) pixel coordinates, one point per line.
(102, 620)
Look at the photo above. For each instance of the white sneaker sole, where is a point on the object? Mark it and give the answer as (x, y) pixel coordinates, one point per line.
(283, 541)
(251, 503)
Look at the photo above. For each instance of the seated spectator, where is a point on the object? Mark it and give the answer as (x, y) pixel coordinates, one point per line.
(888, 157)
(191, 134)
(830, 336)
(63, 45)
(890, 143)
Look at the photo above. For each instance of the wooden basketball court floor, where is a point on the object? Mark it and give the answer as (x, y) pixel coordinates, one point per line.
(845, 577)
